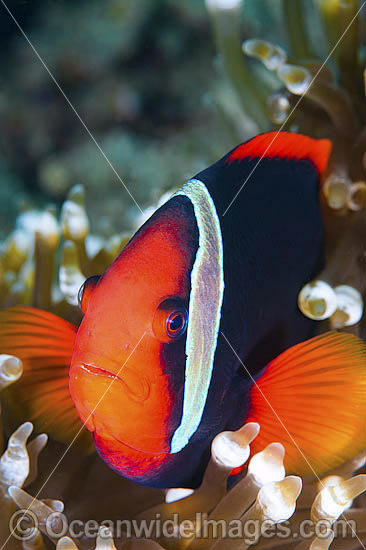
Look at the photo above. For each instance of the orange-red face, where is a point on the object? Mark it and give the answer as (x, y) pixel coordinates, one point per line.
(127, 370)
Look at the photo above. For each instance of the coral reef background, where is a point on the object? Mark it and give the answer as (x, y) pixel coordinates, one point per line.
(145, 79)
(140, 75)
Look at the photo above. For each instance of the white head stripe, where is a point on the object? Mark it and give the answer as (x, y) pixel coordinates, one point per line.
(207, 290)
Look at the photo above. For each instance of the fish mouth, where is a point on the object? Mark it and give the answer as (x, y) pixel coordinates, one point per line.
(98, 371)
(115, 403)
(135, 387)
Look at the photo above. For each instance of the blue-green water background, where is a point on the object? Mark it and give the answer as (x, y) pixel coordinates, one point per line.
(144, 77)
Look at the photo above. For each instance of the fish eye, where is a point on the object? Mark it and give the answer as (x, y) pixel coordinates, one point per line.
(80, 294)
(85, 292)
(170, 320)
(176, 324)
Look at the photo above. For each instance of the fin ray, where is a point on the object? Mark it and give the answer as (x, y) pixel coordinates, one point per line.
(44, 342)
(312, 398)
(285, 145)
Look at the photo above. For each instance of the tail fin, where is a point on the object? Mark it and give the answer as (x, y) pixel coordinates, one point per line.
(44, 343)
(312, 398)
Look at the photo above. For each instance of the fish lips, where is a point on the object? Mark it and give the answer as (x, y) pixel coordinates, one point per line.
(137, 387)
(115, 404)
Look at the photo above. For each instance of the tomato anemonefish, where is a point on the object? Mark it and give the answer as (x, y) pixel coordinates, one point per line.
(193, 310)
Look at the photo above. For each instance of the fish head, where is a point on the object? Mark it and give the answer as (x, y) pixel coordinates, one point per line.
(128, 367)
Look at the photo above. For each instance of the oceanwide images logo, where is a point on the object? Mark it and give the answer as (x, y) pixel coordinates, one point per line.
(24, 525)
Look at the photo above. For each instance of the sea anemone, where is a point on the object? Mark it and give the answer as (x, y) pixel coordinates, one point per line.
(322, 98)
(210, 517)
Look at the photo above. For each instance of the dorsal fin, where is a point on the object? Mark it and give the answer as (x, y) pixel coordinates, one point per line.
(285, 145)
